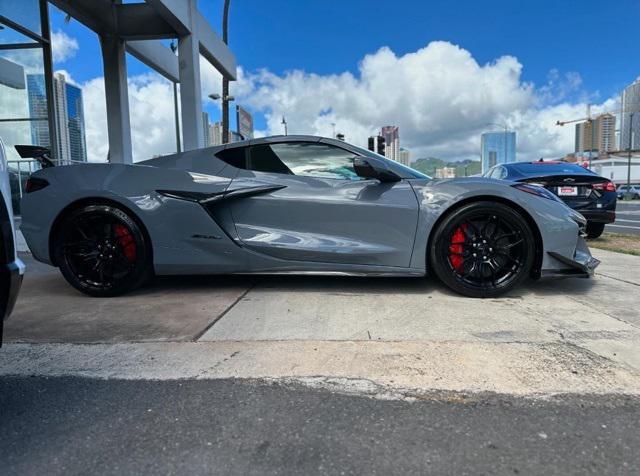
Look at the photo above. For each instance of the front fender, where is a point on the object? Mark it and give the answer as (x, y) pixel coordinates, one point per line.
(557, 224)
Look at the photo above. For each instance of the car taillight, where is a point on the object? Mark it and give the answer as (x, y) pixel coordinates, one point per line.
(605, 186)
(33, 184)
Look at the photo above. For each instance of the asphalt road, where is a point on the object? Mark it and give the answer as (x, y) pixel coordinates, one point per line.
(627, 218)
(85, 426)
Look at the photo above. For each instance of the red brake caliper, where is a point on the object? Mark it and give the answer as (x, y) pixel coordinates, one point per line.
(456, 247)
(127, 242)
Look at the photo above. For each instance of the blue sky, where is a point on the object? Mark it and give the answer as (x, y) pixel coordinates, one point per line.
(595, 38)
(599, 40)
(589, 48)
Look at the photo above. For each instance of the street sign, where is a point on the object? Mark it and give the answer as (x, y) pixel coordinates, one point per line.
(245, 123)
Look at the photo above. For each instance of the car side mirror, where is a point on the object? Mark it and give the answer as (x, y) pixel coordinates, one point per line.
(370, 168)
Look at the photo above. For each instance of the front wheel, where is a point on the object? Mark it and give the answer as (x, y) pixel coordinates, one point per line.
(102, 251)
(594, 230)
(483, 249)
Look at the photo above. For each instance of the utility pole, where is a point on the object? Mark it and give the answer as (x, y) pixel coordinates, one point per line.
(176, 111)
(505, 143)
(284, 123)
(225, 81)
(593, 139)
(628, 194)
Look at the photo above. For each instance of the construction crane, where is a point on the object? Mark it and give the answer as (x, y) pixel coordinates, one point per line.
(582, 119)
(589, 119)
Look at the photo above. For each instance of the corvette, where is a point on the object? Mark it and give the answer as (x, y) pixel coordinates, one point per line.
(296, 205)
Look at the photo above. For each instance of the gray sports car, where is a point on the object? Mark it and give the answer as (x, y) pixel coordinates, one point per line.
(293, 204)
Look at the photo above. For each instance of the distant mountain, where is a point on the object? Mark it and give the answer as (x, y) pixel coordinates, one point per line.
(430, 164)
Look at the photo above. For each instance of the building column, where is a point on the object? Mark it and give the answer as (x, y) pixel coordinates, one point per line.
(117, 97)
(190, 91)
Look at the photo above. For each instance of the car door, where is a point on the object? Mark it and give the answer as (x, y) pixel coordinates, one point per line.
(316, 208)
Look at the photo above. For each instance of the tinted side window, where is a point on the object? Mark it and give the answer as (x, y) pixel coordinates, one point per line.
(235, 156)
(264, 159)
(311, 159)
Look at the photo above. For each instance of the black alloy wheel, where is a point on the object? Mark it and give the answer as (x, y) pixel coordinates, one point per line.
(483, 249)
(101, 251)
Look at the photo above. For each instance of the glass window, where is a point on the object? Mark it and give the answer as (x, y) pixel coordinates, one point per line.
(23, 100)
(500, 173)
(306, 159)
(25, 13)
(543, 168)
(234, 156)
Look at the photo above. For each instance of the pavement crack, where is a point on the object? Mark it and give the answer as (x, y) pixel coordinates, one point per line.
(224, 313)
(618, 279)
(606, 313)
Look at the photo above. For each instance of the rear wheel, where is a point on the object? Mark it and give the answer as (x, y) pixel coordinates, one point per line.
(102, 251)
(483, 249)
(594, 230)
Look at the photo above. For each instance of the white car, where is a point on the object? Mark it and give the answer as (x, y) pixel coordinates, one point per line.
(634, 189)
(11, 267)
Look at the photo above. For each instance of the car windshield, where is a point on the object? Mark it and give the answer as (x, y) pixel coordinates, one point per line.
(541, 168)
(413, 172)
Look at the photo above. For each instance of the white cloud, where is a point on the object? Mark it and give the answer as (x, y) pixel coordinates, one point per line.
(150, 110)
(63, 46)
(441, 98)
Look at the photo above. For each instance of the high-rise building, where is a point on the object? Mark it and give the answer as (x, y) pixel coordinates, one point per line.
(38, 110)
(497, 148)
(75, 122)
(376, 144)
(392, 141)
(597, 135)
(630, 104)
(69, 117)
(205, 129)
(215, 133)
(404, 156)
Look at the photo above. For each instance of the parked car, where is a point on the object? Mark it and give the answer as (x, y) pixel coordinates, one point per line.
(11, 268)
(581, 189)
(634, 189)
(293, 204)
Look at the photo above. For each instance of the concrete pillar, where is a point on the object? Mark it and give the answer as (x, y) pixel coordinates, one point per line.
(116, 95)
(190, 90)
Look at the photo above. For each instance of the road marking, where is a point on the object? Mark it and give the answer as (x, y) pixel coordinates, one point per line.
(625, 226)
(629, 221)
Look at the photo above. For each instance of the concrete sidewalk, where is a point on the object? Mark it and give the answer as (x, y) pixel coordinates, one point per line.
(379, 336)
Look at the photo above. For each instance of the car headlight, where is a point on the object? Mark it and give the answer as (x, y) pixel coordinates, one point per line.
(537, 190)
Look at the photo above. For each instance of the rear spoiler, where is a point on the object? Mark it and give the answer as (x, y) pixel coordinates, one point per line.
(41, 154)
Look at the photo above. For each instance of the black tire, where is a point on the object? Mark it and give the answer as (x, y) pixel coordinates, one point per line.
(102, 251)
(483, 249)
(594, 230)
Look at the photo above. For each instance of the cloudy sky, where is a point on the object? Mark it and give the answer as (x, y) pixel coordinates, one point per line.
(442, 72)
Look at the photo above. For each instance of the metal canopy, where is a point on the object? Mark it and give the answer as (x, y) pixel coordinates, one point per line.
(138, 23)
(138, 29)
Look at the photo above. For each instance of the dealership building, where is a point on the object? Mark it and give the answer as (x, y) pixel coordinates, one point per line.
(39, 108)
